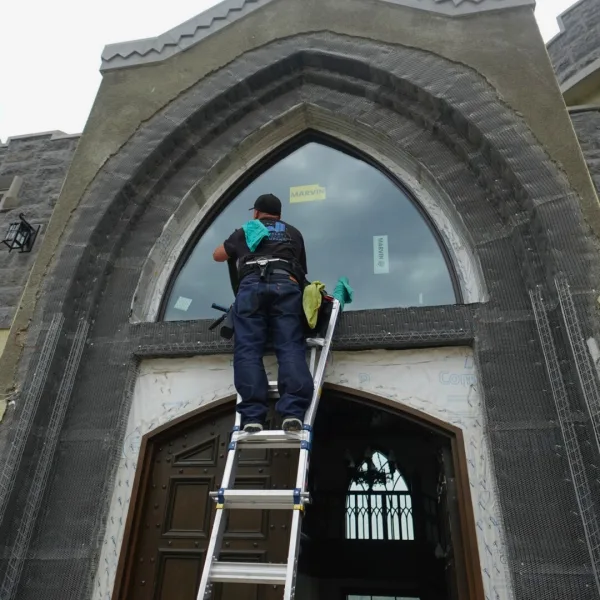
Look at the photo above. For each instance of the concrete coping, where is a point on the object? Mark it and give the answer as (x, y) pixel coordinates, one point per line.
(583, 108)
(53, 135)
(560, 20)
(191, 32)
(581, 76)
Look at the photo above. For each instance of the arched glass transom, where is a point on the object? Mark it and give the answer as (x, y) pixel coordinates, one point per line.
(356, 222)
(378, 504)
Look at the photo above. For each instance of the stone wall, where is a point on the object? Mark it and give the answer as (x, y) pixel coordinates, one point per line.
(42, 162)
(577, 45)
(587, 127)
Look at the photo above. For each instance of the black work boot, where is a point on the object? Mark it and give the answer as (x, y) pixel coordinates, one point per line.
(292, 425)
(252, 427)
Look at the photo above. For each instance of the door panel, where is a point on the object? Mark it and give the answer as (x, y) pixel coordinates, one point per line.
(177, 513)
(178, 572)
(186, 513)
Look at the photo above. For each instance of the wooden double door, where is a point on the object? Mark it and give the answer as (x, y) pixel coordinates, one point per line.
(169, 529)
(171, 514)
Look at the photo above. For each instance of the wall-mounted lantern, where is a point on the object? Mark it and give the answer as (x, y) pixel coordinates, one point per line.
(20, 235)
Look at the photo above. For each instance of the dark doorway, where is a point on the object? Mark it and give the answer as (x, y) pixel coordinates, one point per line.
(379, 524)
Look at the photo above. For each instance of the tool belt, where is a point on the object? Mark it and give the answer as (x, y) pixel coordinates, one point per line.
(267, 265)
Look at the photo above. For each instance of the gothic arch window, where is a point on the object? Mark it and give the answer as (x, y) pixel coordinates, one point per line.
(378, 503)
(356, 219)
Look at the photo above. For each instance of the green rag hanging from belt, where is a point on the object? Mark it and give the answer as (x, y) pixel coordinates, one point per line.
(311, 302)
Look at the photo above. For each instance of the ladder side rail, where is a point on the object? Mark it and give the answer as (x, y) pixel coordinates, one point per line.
(291, 572)
(303, 459)
(313, 358)
(220, 522)
(212, 554)
(231, 463)
(320, 373)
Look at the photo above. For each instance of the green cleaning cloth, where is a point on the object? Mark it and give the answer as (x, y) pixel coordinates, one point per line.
(311, 302)
(343, 292)
(255, 233)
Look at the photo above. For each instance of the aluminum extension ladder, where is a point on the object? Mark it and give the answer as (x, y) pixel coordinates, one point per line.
(215, 571)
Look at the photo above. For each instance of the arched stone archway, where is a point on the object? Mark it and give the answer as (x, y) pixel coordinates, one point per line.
(307, 122)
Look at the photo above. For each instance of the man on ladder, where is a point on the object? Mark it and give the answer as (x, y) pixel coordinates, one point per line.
(271, 261)
(272, 270)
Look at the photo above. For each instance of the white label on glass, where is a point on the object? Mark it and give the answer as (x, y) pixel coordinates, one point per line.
(381, 260)
(183, 303)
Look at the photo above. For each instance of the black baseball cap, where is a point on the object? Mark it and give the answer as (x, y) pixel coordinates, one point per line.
(268, 203)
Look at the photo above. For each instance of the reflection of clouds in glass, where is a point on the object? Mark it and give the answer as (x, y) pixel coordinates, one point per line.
(361, 203)
(296, 161)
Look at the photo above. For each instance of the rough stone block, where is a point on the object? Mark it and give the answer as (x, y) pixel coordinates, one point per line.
(41, 164)
(577, 45)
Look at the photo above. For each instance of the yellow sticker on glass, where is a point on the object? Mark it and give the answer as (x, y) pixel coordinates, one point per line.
(307, 193)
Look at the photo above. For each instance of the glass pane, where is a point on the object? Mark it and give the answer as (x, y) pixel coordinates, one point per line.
(356, 223)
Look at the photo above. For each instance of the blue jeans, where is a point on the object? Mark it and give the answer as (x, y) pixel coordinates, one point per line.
(272, 307)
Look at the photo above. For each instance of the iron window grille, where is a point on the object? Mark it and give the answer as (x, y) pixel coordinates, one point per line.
(378, 503)
(379, 516)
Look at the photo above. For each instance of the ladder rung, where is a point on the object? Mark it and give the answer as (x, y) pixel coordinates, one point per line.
(248, 573)
(271, 439)
(260, 499)
(320, 342)
(273, 389)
